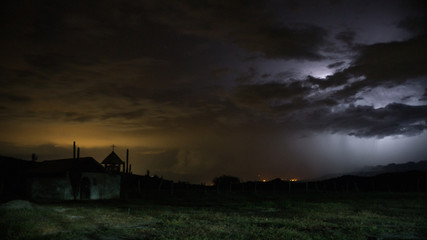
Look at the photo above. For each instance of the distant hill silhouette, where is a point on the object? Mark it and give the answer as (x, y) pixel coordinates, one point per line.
(378, 169)
(392, 168)
(400, 181)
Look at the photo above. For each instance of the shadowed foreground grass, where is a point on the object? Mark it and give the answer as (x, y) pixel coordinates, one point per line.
(320, 216)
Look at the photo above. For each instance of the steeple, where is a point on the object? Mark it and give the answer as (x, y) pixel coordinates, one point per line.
(112, 162)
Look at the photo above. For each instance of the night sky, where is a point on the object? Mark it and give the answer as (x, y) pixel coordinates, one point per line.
(196, 89)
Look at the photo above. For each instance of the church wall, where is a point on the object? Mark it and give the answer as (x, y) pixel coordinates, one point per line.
(102, 186)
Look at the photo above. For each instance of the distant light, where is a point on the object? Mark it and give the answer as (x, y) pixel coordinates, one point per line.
(293, 180)
(264, 180)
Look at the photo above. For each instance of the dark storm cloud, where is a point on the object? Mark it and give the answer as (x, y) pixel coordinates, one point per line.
(15, 98)
(294, 105)
(285, 75)
(265, 96)
(88, 33)
(221, 72)
(365, 121)
(392, 61)
(416, 25)
(73, 116)
(246, 77)
(100, 62)
(11, 77)
(417, 21)
(93, 53)
(246, 23)
(297, 43)
(424, 96)
(138, 113)
(383, 64)
(265, 75)
(336, 64)
(347, 37)
(54, 63)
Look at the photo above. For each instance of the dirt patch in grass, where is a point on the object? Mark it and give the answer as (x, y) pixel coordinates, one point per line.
(17, 204)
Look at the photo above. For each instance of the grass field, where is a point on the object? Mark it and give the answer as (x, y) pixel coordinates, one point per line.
(210, 216)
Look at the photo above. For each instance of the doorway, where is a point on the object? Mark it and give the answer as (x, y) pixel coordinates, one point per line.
(85, 189)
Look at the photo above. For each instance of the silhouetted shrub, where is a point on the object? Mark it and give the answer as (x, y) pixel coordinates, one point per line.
(225, 180)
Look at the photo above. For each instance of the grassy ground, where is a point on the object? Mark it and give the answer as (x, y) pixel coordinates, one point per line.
(318, 216)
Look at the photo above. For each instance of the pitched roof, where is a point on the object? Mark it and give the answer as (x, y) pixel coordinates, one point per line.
(112, 159)
(53, 167)
(11, 165)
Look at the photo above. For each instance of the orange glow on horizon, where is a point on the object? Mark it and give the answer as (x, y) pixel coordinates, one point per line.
(86, 135)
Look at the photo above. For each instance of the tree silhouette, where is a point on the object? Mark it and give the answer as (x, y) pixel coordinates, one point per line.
(225, 180)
